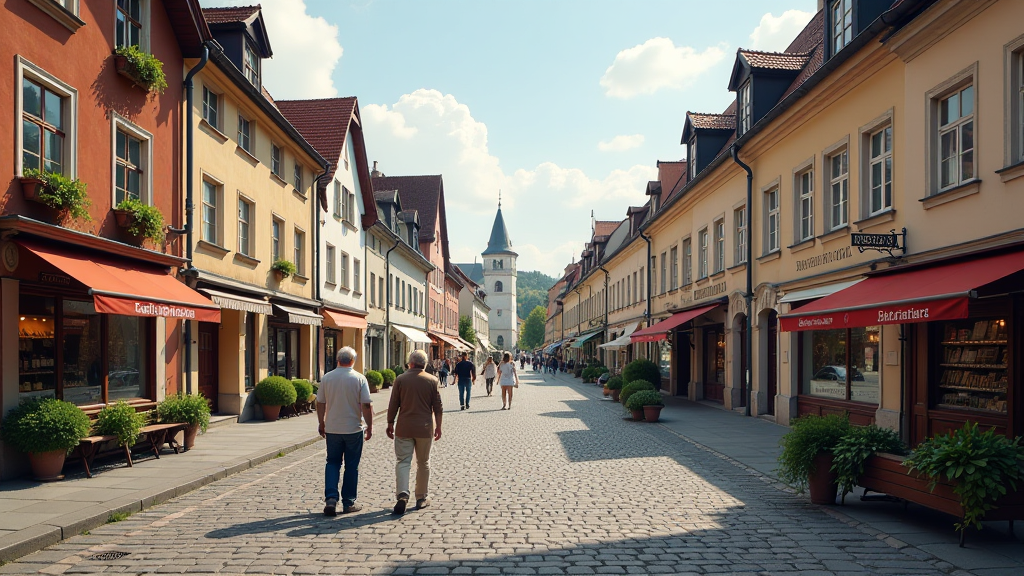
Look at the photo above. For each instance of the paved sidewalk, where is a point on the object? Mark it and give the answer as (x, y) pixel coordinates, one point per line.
(754, 443)
(34, 515)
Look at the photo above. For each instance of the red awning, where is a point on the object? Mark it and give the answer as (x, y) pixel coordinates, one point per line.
(938, 292)
(660, 330)
(118, 287)
(336, 319)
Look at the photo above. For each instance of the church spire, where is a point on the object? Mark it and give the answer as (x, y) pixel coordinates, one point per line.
(499, 242)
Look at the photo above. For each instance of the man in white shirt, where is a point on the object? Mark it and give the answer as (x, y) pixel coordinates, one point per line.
(343, 405)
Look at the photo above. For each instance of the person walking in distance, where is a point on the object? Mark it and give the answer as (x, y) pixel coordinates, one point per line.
(442, 373)
(416, 406)
(345, 412)
(508, 379)
(490, 371)
(465, 375)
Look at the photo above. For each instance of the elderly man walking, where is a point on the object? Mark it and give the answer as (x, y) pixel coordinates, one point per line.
(416, 404)
(343, 405)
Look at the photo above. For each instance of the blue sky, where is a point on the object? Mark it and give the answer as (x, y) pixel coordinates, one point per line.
(564, 105)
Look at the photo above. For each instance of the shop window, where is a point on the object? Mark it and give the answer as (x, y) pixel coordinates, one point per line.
(126, 349)
(973, 360)
(211, 107)
(841, 364)
(664, 361)
(83, 360)
(36, 353)
(284, 352)
(250, 351)
(330, 350)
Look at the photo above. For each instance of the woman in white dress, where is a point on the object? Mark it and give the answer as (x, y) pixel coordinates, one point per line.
(507, 379)
(490, 372)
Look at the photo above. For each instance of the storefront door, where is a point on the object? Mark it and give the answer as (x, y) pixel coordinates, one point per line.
(208, 375)
(684, 349)
(714, 363)
(284, 352)
(330, 350)
(772, 379)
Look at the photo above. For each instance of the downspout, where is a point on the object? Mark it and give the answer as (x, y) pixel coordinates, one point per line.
(605, 323)
(316, 260)
(189, 207)
(387, 306)
(647, 312)
(749, 295)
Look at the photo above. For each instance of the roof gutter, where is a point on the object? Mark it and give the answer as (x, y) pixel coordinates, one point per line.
(748, 294)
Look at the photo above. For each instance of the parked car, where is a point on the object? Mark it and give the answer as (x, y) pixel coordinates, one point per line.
(837, 374)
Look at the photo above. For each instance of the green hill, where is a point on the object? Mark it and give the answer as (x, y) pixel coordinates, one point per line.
(532, 290)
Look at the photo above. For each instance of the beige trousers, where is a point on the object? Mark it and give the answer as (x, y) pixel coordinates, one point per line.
(404, 449)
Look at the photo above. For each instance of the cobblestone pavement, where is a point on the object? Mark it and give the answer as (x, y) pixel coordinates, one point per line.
(559, 484)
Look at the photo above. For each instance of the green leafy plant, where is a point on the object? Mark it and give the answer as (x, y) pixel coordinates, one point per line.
(149, 70)
(854, 448)
(389, 376)
(981, 466)
(303, 389)
(275, 391)
(120, 420)
(316, 388)
(146, 221)
(375, 379)
(398, 370)
(642, 369)
(283, 267)
(586, 373)
(40, 425)
(634, 387)
(62, 193)
(642, 398)
(191, 409)
(615, 383)
(118, 517)
(809, 436)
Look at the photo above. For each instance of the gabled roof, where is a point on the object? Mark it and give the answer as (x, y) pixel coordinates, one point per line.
(422, 193)
(499, 242)
(774, 60)
(672, 175)
(701, 121)
(241, 17)
(231, 14)
(190, 28)
(387, 196)
(605, 227)
(474, 272)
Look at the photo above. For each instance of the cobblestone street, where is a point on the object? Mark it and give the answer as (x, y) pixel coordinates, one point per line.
(560, 484)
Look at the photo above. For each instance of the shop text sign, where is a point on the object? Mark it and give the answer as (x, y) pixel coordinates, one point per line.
(132, 307)
(708, 292)
(165, 310)
(824, 258)
(874, 241)
(897, 313)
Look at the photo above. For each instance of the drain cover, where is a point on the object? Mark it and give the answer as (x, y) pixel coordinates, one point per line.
(107, 556)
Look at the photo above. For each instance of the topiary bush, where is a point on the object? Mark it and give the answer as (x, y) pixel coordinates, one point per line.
(389, 376)
(585, 373)
(120, 420)
(643, 369)
(642, 398)
(40, 425)
(634, 387)
(275, 391)
(191, 409)
(375, 379)
(303, 389)
(615, 383)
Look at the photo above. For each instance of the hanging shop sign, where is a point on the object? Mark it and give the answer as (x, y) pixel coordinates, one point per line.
(881, 242)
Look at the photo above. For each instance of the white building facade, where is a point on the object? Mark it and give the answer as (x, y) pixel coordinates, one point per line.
(499, 280)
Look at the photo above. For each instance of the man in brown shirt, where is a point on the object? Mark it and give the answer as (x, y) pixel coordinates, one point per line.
(416, 403)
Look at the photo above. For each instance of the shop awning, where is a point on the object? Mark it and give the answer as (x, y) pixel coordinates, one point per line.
(817, 292)
(623, 340)
(469, 347)
(939, 292)
(552, 347)
(484, 343)
(236, 302)
(300, 316)
(336, 319)
(451, 341)
(118, 287)
(583, 339)
(660, 330)
(413, 334)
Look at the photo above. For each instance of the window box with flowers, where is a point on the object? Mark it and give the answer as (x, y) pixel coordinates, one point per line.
(144, 70)
(282, 269)
(64, 195)
(140, 220)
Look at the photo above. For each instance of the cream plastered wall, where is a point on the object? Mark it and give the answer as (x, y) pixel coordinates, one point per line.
(623, 311)
(346, 236)
(584, 304)
(377, 246)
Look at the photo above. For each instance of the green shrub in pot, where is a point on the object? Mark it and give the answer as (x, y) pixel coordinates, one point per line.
(854, 448)
(39, 425)
(191, 409)
(121, 420)
(303, 389)
(375, 379)
(275, 391)
(642, 398)
(642, 369)
(634, 387)
(808, 437)
(615, 383)
(389, 376)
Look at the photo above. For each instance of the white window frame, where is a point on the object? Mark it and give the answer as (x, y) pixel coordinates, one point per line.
(883, 160)
(357, 276)
(69, 98)
(144, 20)
(299, 250)
(276, 241)
(331, 272)
(803, 188)
(246, 248)
(687, 262)
(957, 128)
(772, 220)
(691, 158)
(744, 108)
(218, 210)
(343, 270)
(117, 123)
(673, 279)
(338, 206)
(837, 192)
(251, 74)
(703, 246)
(933, 150)
(373, 289)
(276, 160)
(218, 105)
(842, 29)
(664, 273)
(299, 177)
(719, 237)
(739, 219)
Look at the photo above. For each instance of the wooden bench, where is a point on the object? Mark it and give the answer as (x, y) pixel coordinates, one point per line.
(151, 438)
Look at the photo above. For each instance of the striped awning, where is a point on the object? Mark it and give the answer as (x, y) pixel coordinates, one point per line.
(236, 302)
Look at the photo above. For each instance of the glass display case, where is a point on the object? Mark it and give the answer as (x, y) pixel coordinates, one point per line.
(973, 366)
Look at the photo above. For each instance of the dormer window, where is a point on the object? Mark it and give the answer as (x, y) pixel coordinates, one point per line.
(744, 108)
(842, 24)
(691, 158)
(251, 66)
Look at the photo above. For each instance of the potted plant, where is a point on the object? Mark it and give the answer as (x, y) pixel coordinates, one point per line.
(648, 403)
(854, 449)
(303, 394)
(282, 268)
(807, 454)
(617, 380)
(634, 387)
(273, 392)
(389, 376)
(643, 369)
(398, 370)
(121, 420)
(46, 429)
(68, 197)
(190, 409)
(375, 379)
(140, 220)
(982, 466)
(142, 69)
(615, 387)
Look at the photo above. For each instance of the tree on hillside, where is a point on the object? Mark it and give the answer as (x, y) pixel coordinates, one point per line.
(466, 330)
(532, 334)
(532, 290)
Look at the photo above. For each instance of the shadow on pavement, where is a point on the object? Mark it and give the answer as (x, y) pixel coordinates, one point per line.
(301, 525)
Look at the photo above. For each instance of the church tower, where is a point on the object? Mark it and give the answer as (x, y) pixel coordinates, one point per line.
(499, 264)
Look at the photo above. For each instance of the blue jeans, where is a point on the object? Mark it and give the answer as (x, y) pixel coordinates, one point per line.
(347, 447)
(465, 388)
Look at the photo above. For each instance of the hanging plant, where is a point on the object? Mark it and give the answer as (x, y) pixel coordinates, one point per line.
(283, 267)
(57, 191)
(141, 68)
(140, 219)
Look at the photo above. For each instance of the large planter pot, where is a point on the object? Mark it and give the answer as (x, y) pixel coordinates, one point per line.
(638, 415)
(190, 436)
(124, 218)
(126, 68)
(270, 413)
(30, 188)
(279, 276)
(46, 466)
(606, 391)
(822, 481)
(652, 413)
(615, 395)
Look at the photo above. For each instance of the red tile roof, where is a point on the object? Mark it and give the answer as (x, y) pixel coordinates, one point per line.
(775, 60)
(422, 193)
(604, 227)
(323, 123)
(712, 121)
(810, 40)
(230, 14)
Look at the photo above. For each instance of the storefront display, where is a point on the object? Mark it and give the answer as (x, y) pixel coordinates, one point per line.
(973, 366)
(714, 363)
(284, 352)
(841, 364)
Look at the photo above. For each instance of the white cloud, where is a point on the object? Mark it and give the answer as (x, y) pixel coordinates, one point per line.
(546, 207)
(306, 50)
(621, 142)
(775, 33)
(657, 63)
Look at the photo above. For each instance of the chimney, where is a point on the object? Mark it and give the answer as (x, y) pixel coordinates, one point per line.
(376, 173)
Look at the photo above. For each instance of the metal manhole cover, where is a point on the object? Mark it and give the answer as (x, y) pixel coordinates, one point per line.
(107, 556)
